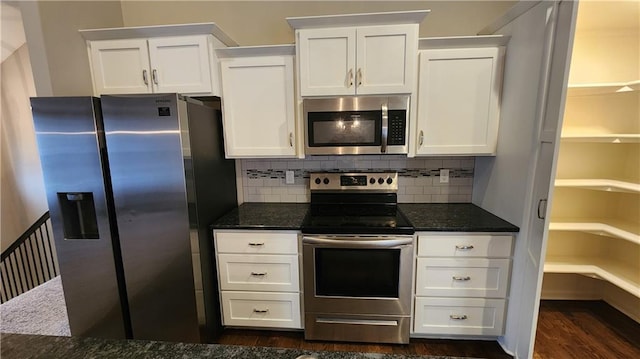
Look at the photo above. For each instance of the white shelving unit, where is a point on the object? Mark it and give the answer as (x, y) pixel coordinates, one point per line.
(607, 185)
(615, 273)
(600, 88)
(595, 218)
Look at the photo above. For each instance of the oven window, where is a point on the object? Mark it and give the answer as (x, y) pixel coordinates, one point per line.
(361, 128)
(357, 272)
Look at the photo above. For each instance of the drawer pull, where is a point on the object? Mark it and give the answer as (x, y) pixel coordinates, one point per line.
(260, 274)
(458, 317)
(461, 279)
(254, 244)
(260, 310)
(464, 247)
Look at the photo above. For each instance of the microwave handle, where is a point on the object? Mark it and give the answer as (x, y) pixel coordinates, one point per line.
(385, 127)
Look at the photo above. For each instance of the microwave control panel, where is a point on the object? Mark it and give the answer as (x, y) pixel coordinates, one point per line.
(397, 127)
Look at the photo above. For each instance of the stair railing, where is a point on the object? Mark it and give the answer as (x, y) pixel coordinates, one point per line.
(30, 261)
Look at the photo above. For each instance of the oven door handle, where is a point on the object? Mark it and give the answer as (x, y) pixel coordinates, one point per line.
(358, 242)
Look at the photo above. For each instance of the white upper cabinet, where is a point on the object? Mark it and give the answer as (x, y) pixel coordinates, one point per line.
(386, 59)
(458, 98)
(362, 61)
(360, 54)
(258, 101)
(120, 66)
(180, 64)
(156, 59)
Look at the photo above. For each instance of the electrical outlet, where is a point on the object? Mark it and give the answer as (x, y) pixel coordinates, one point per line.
(288, 176)
(444, 176)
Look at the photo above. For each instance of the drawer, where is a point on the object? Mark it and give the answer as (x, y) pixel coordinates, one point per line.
(255, 242)
(469, 245)
(281, 310)
(259, 272)
(464, 277)
(459, 316)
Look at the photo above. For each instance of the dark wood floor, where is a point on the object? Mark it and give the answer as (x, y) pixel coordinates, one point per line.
(583, 330)
(566, 329)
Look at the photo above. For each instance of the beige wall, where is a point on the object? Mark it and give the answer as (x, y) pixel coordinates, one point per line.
(22, 198)
(263, 22)
(52, 35)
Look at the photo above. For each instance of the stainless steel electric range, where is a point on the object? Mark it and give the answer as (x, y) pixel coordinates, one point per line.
(357, 255)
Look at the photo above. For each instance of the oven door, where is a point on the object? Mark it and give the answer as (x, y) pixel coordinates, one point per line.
(358, 274)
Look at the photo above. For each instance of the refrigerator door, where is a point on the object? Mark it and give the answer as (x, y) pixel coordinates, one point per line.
(68, 132)
(148, 179)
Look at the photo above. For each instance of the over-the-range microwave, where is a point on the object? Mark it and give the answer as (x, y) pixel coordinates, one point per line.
(356, 125)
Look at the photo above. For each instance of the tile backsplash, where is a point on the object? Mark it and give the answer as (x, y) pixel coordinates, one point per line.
(263, 180)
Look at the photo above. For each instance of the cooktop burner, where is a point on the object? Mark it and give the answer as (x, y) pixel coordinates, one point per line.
(355, 203)
(356, 225)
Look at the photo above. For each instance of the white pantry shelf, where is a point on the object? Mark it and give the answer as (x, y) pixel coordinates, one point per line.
(606, 185)
(621, 275)
(601, 88)
(600, 137)
(600, 226)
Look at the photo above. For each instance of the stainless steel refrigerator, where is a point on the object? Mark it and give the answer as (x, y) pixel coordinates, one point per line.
(132, 182)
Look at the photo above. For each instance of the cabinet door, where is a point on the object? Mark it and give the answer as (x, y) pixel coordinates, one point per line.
(258, 106)
(386, 58)
(327, 61)
(120, 66)
(180, 64)
(259, 272)
(261, 309)
(468, 277)
(459, 316)
(458, 101)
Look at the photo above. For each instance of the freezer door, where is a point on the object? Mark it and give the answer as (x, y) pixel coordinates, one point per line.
(67, 132)
(148, 179)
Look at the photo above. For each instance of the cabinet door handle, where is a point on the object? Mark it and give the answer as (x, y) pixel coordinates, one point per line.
(144, 77)
(350, 75)
(458, 316)
(254, 244)
(542, 208)
(464, 247)
(359, 77)
(291, 139)
(154, 76)
(461, 279)
(260, 310)
(258, 274)
(420, 138)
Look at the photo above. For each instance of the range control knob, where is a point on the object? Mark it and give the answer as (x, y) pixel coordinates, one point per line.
(389, 180)
(372, 180)
(381, 180)
(326, 180)
(318, 181)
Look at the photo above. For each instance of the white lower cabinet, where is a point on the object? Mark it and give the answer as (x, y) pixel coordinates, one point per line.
(461, 284)
(261, 309)
(468, 277)
(259, 278)
(459, 316)
(259, 272)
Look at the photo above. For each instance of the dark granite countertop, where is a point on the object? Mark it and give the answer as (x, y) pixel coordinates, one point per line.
(264, 216)
(444, 217)
(454, 217)
(42, 346)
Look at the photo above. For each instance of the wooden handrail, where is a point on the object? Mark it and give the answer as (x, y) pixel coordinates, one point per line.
(29, 261)
(25, 235)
